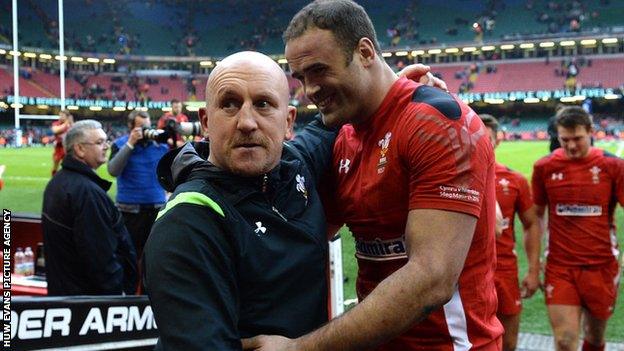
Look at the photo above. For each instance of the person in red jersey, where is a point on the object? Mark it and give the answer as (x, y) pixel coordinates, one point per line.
(2, 168)
(60, 128)
(413, 178)
(175, 115)
(581, 186)
(514, 196)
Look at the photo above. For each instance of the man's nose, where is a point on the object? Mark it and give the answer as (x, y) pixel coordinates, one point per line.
(247, 119)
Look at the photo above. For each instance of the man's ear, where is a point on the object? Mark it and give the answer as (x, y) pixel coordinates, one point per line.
(203, 119)
(78, 150)
(365, 51)
(290, 122)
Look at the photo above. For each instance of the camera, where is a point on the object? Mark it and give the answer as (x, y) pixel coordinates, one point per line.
(189, 128)
(171, 129)
(158, 135)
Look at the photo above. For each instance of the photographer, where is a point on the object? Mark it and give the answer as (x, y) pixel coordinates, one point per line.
(177, 116)
(133, 161)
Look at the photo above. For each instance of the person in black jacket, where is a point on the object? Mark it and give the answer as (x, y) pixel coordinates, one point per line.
(240, 249)
(87, 247)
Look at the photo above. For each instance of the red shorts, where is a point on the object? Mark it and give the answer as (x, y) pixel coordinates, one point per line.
(508, 291)
(59, 153)
(592, 287)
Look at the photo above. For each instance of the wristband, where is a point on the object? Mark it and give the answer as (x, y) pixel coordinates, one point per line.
(129, 145)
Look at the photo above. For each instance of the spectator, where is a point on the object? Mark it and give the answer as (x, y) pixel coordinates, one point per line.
(88, 249)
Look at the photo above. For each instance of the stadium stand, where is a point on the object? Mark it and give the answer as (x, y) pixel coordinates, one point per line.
(505, 76)
(27, 86)
(516, 75)
(606, 72)
(212, 28)
(162, 28)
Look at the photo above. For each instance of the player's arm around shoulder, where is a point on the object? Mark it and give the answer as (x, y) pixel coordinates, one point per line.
(315, 143)
(190, 269)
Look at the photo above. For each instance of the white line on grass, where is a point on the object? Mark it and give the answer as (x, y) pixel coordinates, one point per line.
(38, 179)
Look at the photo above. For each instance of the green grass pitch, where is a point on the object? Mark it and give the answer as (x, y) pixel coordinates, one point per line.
(28, 171)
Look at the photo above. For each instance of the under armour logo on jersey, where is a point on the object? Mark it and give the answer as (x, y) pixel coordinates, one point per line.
(595, 171)
(557, 176)
(344, 166)
(260, 228)
(301, 186)
(505, 184)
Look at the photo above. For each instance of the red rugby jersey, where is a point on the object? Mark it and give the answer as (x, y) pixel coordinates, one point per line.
(162, 121)
(423, 149)
(514, 196)
(581, 196)
(58, 138)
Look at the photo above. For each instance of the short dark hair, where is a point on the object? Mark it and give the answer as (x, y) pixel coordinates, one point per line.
(134, 114)
(174, 101)
(347, 20)
(570, 117)
(66, 113)
(490, 122)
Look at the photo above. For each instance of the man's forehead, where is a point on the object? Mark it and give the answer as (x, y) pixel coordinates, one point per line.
(313, 40)
(256, 81)
(95, 134)
(576, 130)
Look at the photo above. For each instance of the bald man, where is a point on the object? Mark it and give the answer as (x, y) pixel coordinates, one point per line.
(240, 248)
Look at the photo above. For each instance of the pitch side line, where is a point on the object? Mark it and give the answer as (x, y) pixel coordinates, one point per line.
(38, 179)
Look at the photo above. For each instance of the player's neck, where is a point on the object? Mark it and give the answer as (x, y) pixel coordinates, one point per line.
(384, 79)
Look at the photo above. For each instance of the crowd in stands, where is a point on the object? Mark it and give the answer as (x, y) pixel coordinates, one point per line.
(479, 76)
(551, 17)
(563, 17)
(258, 25)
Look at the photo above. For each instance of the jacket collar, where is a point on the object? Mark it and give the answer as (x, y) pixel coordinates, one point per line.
(190, 162)
(74, 165)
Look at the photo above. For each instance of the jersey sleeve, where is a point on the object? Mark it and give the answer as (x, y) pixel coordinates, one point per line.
(537, 184)
(449, 162)
(524, 200)
(190, 275)
(619, 180)
(327, 191)
(114, 150)
(328, 188)
(316, 142)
